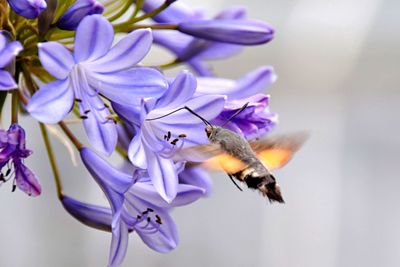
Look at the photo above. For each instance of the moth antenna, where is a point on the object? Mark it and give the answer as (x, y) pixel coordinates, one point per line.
(235, 114)
(188, 109)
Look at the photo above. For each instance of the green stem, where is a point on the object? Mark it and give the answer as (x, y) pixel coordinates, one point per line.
(70, 135)
(52, 159)
(121, 12)
(129, 28)
(14, 106)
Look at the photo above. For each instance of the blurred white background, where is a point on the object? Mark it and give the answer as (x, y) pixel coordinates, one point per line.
(338, 67)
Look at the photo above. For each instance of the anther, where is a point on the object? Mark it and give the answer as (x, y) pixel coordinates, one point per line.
(86, 111)
(149, 209)
(173, 142)
(158, 219)
(8, 172)
(106, 106)
(182, 135)
(148, 219)
(168, 135)
(78, 100)
(14, 187)
(84, 117)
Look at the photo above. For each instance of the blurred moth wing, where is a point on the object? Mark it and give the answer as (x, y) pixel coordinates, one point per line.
(273, 152)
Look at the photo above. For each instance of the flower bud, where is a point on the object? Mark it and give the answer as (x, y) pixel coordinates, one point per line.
(29, 9)
(77, 11)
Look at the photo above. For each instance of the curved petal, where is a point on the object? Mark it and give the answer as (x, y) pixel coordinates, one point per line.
(129, 86)
(9, 52)
(6, 81)
(198, 177)
(186, 194)
(91, 215)
(137, 153)
(218, 50)
(235, 31)
(181, 89)
(77, 11)
(119, 245)
(52, 102)
(56, 59)
(126, 53)
(28, 8)
(201, 68)
(172, 40)
(178, 11)
(166, 239)
(93, 38)
(163, 175)
(26, 180)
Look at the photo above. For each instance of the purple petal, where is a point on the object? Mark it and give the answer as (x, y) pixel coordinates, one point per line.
(176, 12)
(186, 194)
(77, 11)
(56, 59)
(52, 102)
(29, 9)
(235, 12)
(126, 53)
(235, 31)
(198, 177)
(201, 68)
(119, 245)
(93, 38)
(7, 81)
(166, 239)
(180, 91)
(172, 40)
(217, 50)
(26, 180)
(102, 171)
(91, 215)
(163, 175)
(129, 86)
(137, 153)
(252, 83)
(9, 52)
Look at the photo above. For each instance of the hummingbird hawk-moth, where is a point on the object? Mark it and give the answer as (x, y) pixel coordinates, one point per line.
(249, 162)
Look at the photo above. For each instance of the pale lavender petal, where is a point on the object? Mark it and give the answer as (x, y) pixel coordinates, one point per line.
(56, 59)
(52, 102)
(119, 244)
(198, 177)
(201, 68)
(218, 50)
(176, 12)
(137, 153)
(93, 38)
(166, 239)
(172, 40)
(6, 81)
(235, 12)
(180, 91)
(91, 215)
(26, 180)
(9, 52)
(129, 86)
(163, 175)
(235, 31)
(186, 194)
(125, 54)
(252, 83)
(77, 11)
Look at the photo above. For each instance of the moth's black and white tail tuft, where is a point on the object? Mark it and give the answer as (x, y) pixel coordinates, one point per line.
(271, 190)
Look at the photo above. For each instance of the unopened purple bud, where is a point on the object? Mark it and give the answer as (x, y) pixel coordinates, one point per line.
(91, 215)
(29, 9)
(234, 31)
(77, 11)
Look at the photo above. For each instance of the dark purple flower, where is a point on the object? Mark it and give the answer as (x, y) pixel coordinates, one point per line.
(13, 151)
(156, 141)
(8, 51)
(95, 69)
(77, 11)
(135, 206)
(234, 31)
(29, 9)
(256, 120)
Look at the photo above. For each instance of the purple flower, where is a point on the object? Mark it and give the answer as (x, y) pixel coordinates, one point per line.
(13, 150)
(135, 206)
(77, 11)
(95, 69)
(8, 51)
(156, 141)
(29, 9)
(256, 120)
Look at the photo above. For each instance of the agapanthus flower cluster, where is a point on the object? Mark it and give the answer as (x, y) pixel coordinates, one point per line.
(61, 63)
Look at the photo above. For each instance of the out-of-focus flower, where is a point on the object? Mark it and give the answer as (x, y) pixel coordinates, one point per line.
(77, 11)
(8, 51)
(156, 141)
(13, 150)
(29, 9)
(256, 120)
(95, 69)
(135, 206)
